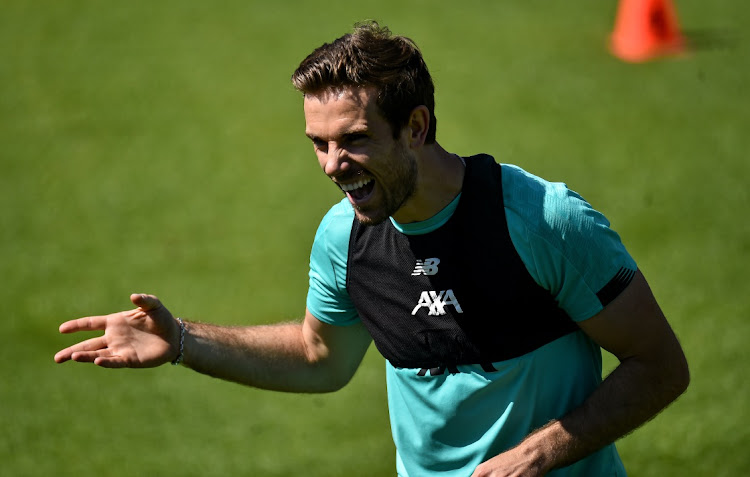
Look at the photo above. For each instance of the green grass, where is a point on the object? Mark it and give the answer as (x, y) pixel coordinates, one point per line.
(158, 146)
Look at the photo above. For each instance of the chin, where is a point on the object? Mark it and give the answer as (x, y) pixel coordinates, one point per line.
(371, 218)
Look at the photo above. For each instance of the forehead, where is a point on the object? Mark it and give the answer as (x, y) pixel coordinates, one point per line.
(338, 111)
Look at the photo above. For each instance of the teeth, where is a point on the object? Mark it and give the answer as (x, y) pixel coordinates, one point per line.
(355, 185)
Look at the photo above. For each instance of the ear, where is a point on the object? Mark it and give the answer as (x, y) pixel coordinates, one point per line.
(419, 123)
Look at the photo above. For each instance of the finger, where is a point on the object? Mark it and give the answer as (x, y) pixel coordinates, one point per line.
(62, 356)
(101, 357)
(89, 323)
(145, 302)
(90, 356)
(93, 344)
(110, 362)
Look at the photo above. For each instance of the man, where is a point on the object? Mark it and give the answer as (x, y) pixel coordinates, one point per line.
(488, 290)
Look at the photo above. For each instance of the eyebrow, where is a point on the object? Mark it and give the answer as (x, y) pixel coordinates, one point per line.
(356, 131)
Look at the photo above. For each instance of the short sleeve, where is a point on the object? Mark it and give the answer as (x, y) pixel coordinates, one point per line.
(327, 298)
(568, 247)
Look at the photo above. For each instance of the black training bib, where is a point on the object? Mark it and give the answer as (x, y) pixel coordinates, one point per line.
(457, 295)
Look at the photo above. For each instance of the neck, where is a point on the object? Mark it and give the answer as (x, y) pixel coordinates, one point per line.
(439, 181)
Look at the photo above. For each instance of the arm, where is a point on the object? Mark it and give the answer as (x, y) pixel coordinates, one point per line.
(302, 357)
(652, 373)
(308, 357)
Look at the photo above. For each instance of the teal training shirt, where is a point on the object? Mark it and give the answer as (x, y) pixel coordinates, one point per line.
(450, 423)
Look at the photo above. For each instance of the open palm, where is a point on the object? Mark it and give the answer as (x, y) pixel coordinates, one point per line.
(144, 337)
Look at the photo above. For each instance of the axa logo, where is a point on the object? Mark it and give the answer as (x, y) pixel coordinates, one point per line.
(436, 302)
(426, 267)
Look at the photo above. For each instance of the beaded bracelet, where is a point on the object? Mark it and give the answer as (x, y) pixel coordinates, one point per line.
(179, 357)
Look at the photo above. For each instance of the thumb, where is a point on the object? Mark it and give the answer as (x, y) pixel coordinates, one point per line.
(145, 302)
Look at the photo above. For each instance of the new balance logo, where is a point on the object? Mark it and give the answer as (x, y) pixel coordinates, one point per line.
(426, 267)
(436, 302)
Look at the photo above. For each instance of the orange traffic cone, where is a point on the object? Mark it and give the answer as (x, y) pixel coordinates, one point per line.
(646, 29)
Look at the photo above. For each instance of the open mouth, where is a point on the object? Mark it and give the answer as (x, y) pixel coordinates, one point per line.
(358, 191)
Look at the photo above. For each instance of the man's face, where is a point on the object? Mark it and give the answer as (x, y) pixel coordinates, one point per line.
(356, 149)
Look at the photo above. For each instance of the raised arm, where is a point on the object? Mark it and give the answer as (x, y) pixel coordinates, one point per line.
(652, 373)
(299, 357)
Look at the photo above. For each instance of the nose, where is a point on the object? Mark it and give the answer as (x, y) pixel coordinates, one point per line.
(334, 161)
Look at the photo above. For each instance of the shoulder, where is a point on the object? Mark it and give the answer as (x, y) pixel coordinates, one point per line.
(330, 248)
(567, 246)
(539, 202)
(327, 298)
(550, 210)
(336, 224)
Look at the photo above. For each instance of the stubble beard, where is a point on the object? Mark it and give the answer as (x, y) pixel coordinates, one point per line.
(395, 189)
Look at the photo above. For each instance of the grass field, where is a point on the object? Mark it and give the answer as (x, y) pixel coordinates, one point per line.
(159, 147)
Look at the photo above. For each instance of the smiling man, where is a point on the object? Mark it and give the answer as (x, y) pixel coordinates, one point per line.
(381, 175)
(489, 291)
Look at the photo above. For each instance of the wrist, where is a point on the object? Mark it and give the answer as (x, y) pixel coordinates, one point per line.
(180, 342)
(543, 449)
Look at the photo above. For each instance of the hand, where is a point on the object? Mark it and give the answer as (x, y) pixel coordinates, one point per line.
(145, 337)
(513, 463)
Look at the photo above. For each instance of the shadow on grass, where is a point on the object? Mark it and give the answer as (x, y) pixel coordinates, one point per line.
(705, 39)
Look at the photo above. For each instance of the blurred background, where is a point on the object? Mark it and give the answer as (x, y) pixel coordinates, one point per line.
(159, 147)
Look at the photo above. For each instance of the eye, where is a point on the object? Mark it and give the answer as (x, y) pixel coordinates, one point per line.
(356, 139)
(319, 144)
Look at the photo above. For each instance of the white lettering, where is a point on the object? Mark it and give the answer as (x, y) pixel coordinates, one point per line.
(424, 300)
(430, 266)
(450, 299)
(438, 307)
(436, 302)
(426, 267)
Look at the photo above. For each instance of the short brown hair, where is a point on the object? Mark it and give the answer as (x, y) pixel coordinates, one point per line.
(372, 56)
